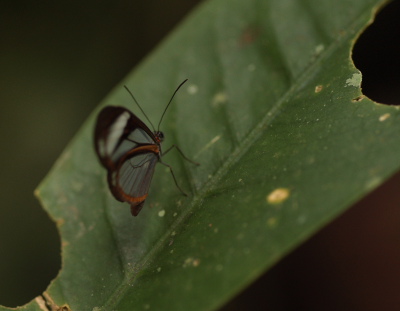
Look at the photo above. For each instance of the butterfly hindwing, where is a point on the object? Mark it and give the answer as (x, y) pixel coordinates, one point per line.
(130, 182)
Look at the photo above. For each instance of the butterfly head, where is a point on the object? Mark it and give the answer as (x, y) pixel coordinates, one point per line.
(159, 136)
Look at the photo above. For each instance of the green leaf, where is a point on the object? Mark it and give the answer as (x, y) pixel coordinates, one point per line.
(274, 113)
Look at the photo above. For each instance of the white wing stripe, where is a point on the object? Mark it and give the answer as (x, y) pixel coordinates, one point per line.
(116, 131)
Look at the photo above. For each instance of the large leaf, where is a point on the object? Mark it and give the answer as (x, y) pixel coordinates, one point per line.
(274, 113)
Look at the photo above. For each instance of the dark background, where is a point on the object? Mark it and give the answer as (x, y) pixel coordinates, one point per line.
(59, 59)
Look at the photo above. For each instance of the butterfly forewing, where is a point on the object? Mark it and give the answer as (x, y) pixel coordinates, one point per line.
(136, 138)
(117, 132)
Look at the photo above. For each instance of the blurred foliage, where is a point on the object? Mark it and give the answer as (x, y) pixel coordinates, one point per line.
(57, 60)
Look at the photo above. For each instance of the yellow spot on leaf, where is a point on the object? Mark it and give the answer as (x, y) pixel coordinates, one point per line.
(278, 196)
(384, 117)
(219, 99)
(191, 262)
(358, 99)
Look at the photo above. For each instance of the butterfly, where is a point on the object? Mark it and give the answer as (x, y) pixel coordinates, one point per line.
(129, 151)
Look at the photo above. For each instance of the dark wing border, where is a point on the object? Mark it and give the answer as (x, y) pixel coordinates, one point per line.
(106, 118)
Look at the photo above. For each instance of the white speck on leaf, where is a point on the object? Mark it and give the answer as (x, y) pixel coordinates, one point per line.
(355, 80)
(373, 183)
(192, 89)
(319, 49)
(251, 67)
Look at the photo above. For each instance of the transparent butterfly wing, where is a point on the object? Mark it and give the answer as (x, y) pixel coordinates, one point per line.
(131, 181)
(135, 174)
(133, 140)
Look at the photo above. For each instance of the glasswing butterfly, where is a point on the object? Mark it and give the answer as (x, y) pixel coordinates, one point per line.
(129, 151)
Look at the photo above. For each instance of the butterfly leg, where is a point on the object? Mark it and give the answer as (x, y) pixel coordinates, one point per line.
(173, 176)
(180, 151)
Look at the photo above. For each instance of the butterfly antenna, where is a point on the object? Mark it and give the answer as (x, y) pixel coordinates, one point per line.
(139, 106)
(177, 89)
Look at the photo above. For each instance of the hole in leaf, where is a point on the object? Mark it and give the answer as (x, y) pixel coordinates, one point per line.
(377, 54)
